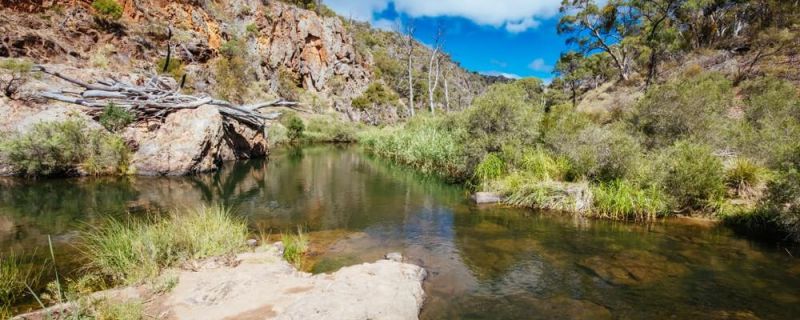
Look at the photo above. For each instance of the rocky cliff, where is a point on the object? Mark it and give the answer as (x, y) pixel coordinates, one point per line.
(241, 50)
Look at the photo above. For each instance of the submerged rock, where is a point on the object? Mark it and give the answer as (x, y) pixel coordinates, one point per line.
(633, 267)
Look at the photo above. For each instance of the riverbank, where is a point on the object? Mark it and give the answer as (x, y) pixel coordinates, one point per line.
(261, 284)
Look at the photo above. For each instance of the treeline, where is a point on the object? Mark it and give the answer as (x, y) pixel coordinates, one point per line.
(630, 40)
(722, 142)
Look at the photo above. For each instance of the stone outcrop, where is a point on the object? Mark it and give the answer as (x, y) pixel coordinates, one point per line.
(191, 141)
(261, 285)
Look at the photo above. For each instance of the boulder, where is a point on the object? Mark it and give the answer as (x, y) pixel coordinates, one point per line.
(192, 141)
(487, 197)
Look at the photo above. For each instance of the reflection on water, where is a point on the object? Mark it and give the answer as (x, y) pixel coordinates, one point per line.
(483, 263)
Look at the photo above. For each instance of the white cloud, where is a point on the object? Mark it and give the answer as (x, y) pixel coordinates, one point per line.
(521, 26)
(513, 15)
(540, 65)
(500, 74)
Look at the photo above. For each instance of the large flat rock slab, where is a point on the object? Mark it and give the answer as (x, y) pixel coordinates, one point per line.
(263, 286)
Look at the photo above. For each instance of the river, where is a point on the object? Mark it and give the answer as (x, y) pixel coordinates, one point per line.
(483, 262)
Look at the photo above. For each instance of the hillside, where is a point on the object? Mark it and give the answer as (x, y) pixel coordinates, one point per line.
(244, 50)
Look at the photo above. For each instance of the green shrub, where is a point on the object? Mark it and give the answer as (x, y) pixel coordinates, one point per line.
(129, 252)
(550, 195)
(68, 147)
(115, 118)
(695, 176)
(769, 99)
(331, 130)
(289, 86)
(621, 200)
(295, 247)
(232, 71)
(377, 94)
(295, 127)
(108, 9)
(174, 69)
(501, 117)
(252, 28)
(14, 73)
(684, 108)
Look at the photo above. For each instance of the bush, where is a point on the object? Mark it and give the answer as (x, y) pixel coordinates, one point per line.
(684, 108)
(174, 69)
(129, 252)
(115, 118)
(622, 200)
(769, 99)
(376, 95)
(66, 148)
(289, 86)
(13, 74)
(295, 127)
(108, 9)
(331, 130)
(232, 70)
(694, 176)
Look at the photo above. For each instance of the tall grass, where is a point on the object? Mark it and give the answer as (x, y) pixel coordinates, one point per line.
(130, 252)
(422, 144)
(621, 200)
(570, 197)
(15, 275)
(492, 167)
(540, 164)
(295, 247)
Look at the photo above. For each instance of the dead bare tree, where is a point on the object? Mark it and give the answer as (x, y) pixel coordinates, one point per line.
(433, 65)
(155, 100)
(407, 32)
(448, 68)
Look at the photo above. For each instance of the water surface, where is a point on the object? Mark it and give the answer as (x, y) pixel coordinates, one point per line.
(483, 262)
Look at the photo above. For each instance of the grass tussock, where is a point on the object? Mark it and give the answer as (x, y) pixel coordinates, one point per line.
(621, 200)
(130, 252)
(295, 247)
(16, 274)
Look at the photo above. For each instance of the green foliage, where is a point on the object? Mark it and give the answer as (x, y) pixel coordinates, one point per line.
(377, 94)
(331, 131)
(770, 99)
(115, 118)
(295, 127)
(492, 167)
(547, 195)
(295, 247)
(684, 108)
(129, 252)
(428, 144)
(621, 200)
(108, 9)
(542, 165)
(252, 28)
(174, 69)
(116, 310)
(232, 71)
(289, 84)
(744, 175)
(13, 73)
(68, 147)
(695, 176)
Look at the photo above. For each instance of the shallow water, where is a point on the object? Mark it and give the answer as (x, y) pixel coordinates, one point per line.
(483, 262)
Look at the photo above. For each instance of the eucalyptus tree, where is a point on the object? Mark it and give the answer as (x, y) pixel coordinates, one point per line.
(611, 28)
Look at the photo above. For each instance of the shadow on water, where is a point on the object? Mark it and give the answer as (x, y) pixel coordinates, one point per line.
(483, 262)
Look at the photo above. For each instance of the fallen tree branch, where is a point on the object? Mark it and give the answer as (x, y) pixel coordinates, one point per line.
(156, 99)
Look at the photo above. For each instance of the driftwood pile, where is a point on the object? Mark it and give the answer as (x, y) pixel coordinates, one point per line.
(155, 100)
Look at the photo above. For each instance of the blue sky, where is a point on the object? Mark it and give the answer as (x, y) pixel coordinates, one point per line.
(513, 37)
